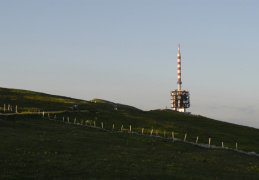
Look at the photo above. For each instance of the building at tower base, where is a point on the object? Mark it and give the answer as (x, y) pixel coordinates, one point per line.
(180, 100)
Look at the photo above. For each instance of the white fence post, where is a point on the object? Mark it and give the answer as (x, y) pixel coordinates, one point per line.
(173, 135)
(185, 136)
(142, 130)
(197, 139)
(209, 141)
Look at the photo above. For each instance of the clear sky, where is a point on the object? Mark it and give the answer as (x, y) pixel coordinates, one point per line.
(125, 51)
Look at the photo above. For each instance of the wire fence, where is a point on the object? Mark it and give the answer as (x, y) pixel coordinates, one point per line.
(147, 132)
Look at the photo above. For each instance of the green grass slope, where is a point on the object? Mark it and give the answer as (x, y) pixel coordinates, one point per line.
(30, 101)
(35, 101)
(36, 148)
(33, 147)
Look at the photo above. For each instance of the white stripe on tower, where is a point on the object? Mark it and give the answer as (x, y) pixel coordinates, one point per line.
(179, 82)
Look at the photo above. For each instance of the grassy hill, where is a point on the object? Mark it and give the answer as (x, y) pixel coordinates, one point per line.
(33, 147)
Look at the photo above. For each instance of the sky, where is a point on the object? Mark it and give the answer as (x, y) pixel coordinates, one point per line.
(126, 52)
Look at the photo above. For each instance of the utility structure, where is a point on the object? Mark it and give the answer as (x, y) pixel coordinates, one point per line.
(180, 99)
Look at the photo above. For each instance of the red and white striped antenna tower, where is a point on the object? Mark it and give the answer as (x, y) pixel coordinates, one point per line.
(179, 82)
(180, 99)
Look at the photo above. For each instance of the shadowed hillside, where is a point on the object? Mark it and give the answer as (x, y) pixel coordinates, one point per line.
(36, 147)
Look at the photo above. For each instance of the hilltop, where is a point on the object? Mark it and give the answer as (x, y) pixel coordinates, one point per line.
(33, 146)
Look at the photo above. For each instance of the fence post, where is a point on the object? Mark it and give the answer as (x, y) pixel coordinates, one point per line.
(197, 139)
(142, 130)
(94, 123)
(222, 144)
(185, 136)
(130, 128)
(112, 126)
(16, 109)
(75, 121)
(236, 146)
(209, 141)
(102, 125)
(173, 135)
(68, 119)
(42, 114)
(151, 132)
(121, 127)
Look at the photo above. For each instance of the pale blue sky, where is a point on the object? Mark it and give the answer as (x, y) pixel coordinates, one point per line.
(126, 52)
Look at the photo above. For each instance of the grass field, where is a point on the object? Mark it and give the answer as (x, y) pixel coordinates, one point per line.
(33, 147)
